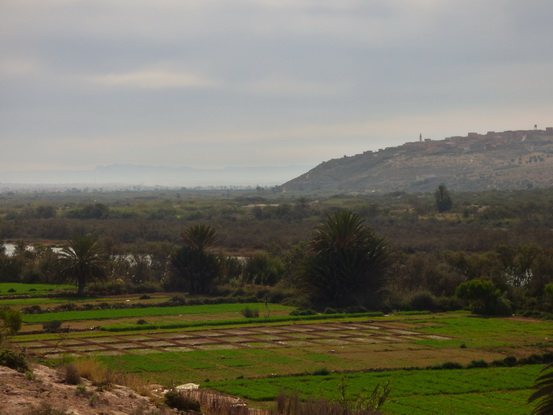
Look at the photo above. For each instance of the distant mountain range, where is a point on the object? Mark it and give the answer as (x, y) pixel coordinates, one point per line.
(140, 175)
(506, 160)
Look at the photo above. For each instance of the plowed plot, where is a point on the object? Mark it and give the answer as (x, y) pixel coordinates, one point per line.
(305, 335)
(259, 351)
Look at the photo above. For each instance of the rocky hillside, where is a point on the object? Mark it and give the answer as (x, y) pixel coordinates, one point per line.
(44, 392)
(507, 160)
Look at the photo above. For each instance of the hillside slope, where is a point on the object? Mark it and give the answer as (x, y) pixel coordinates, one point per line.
(508, 160)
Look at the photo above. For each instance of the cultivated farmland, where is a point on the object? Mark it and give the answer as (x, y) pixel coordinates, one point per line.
(216, 347)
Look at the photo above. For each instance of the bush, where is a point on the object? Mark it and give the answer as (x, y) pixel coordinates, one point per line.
(71, 375)
(355, 309)
(263, 268)
(323, 371)
(177, 300)
(141, 321)
(304, 312)
(510, 361)
(477, 363)
(14, 359)
(46, 409)
(33, 309)
(178, 400)
(250, 312)
(448, 365)
(484, 298)
(423, 301)
(53, 326)
(10, 321)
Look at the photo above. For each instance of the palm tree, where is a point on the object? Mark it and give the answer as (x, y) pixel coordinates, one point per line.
(443, 199)
(545, 393)
(199, 237)
(82, 261)
(194, 267)
(347, 261)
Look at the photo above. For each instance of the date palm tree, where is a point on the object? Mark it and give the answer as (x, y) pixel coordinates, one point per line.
(544, 394)
(194, 266)
(200, 237)
(443, 199)
(346, 261)
(81, 262)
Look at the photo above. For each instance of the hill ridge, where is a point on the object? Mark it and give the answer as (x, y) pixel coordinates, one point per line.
(505, 160)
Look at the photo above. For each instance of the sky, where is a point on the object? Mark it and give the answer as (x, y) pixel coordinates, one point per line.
(229, 83)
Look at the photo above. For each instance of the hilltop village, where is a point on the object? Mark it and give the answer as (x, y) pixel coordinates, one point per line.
(520, 159)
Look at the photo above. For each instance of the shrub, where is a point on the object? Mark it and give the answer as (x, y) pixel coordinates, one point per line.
(355, 309)
(14, 359)
(510, 361)
(100, 375)
(177, 300)
(141, 321)
(448, 365)
(33, 309)
(477, 363)
(10, 321)
(53, 326)
(323, 371)
(483, 298)
(423, 301)
(303, 312)
(178, 400)
(263, 268)
(47, 409)
(71, 375)
(250, 312)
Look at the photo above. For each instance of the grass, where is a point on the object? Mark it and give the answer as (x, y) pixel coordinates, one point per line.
(32, 289)
(143, 312)
(238, 321)
(461, 391)
(481, 332)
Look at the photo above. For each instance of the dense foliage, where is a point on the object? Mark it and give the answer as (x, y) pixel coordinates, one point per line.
(263, 240)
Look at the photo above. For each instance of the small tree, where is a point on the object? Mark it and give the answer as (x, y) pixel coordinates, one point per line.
(483, 297)
(82, 261)
(443, 199)
(10, 322)
(263, 268)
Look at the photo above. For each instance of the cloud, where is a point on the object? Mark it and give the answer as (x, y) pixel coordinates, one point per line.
(152, 79)
(16, 67)
(225, 83)
(293, 87)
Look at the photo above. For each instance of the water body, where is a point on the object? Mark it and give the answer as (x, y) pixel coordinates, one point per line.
(10, 249)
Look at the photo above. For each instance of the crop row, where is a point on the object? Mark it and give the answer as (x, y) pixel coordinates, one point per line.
(460, 391)
(144, 312)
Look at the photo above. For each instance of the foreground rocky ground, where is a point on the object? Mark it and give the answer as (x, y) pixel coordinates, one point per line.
(45, 393)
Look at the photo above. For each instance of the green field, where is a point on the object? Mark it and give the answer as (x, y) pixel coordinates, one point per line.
(150, 312)
(16, 288)
(256, 359)
(414, 392)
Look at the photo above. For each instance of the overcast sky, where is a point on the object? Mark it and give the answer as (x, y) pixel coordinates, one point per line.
(215, 83)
